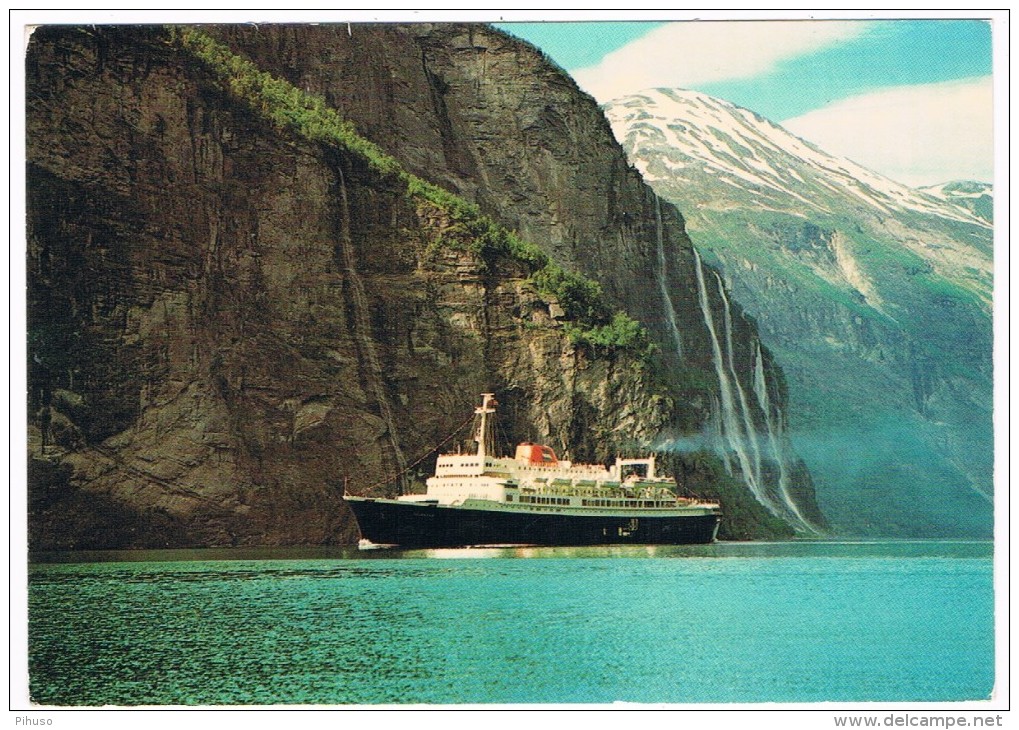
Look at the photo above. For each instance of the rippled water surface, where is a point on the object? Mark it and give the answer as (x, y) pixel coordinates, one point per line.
(779, 622)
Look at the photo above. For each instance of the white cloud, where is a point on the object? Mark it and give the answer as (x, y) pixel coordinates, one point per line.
(686, 54)
(916, 135)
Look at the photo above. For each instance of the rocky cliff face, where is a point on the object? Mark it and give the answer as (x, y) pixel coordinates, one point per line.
(228, 322)
(487, 117)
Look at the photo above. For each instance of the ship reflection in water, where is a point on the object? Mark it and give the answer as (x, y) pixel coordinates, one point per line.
(522, 551)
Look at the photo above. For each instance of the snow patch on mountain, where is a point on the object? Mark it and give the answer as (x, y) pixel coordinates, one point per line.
(713, 157)
(971, 195)
(711, 136)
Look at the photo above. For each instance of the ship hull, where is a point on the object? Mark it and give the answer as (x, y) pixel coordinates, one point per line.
(411, 525)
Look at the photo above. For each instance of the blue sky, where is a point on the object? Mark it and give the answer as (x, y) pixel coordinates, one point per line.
(909, 98)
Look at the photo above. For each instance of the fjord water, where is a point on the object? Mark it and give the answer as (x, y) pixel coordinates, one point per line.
(776, 622)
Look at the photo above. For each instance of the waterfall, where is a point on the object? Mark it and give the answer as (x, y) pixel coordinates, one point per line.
(670, 310)
(730, 435)
(730, 422)
(764, 401)
(748, 422)
(716, 432)
(365, 343)
(774, 437)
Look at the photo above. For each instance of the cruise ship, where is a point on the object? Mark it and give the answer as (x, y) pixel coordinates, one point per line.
(533, 498)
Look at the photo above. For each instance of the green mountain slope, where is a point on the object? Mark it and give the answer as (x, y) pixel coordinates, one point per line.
(875, 299)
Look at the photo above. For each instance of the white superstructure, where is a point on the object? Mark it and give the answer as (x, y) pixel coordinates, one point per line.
(535, 479)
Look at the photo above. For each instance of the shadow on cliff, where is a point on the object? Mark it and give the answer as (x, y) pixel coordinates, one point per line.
(62, 516)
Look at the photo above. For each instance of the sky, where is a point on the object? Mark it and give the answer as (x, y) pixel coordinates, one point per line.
(910, 99)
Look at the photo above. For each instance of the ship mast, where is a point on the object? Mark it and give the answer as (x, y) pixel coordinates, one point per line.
(488, 404)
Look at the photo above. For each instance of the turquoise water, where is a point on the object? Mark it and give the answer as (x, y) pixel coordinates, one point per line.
(780, 622)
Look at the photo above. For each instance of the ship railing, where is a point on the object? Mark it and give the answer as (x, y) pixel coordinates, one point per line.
(604, 491)
(636, 504)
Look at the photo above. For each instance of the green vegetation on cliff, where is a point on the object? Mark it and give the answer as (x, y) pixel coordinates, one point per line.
(280, 102)
(590, 321)
(622, 332)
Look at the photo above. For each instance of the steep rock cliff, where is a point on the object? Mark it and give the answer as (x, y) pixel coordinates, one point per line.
(507, 129)
(228, 323)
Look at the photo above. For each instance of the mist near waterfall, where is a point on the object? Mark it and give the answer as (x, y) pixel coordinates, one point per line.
(686, 444)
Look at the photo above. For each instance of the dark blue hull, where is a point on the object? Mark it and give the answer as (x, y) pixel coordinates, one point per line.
(415, 525)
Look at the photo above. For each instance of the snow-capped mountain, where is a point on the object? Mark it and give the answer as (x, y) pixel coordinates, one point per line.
(875, 297)
(741, 148)
(689, 141)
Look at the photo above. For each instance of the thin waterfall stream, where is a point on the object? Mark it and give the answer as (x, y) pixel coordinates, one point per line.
(670, 309)
(363, 336)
